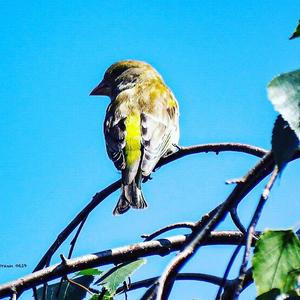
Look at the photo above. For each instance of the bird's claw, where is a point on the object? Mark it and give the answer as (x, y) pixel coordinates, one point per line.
(177, 147)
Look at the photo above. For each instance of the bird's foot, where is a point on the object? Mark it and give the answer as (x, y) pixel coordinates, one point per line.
(177, 147)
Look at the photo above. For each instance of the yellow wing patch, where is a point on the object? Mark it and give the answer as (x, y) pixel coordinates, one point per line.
(133, 139)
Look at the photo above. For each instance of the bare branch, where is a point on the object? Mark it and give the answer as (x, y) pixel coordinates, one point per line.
(79, 285)
(99, 197)
(239, 192)
(149, 237)
(181, 276)
(74, 240)
(112, 256)
(251, 230)
(213, 147)
(192, 276)
(236, 220)
(230, 287)
(227, 270)
(165, 284)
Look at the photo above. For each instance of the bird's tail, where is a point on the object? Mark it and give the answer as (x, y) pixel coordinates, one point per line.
(131, 196)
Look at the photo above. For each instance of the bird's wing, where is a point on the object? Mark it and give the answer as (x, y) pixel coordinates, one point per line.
(114, 132)
(159, 130)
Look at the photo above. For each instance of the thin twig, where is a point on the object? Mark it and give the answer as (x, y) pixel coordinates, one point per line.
(213, 147)
(130, 252)
(166, 281)
(63, 261)
(72, 243)
(146, 283)
(99, 197)
(230, 287)
(251, 229)
(181, 276)
(45, 290)
(227, 270)
(79, 285)
(236, 220)
(149, 237)
(74, 240)
(125, 293)
(59, 287)
(35, 295)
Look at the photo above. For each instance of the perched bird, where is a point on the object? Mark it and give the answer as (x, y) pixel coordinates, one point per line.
(140, 126)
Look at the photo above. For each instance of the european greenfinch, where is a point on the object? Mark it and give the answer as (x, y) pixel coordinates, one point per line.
(140, 127)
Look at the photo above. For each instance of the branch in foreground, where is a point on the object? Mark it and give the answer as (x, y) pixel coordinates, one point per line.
(149, 237)
(112, 256)
(162, 288)
(227, 270)
(189, 276)
(249, 234)
(166, 281)
(181, 276)
(99, 197)
(230, 288)
(236, 220)
(213, 147)
(251, 229)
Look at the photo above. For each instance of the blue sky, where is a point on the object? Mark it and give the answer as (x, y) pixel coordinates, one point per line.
(216, 56)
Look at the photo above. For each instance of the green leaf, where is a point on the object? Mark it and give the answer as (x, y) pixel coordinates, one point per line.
(277, 253)
(92, 272)
(284, 142)
(106, 296)
(67, 291)
(296, 32)
(284, 93)
(112, 279)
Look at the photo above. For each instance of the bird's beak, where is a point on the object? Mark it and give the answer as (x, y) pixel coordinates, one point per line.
(101, 89)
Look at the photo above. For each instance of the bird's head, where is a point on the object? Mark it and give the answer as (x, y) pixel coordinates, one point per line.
(124, 75)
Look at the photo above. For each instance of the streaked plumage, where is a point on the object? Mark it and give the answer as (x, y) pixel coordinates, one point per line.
(140, 127)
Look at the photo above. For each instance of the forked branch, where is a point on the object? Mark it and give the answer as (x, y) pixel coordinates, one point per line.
(159, 247)
(99, 197)
(259, 172)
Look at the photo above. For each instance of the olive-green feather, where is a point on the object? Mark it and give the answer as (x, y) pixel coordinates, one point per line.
(141, 125)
